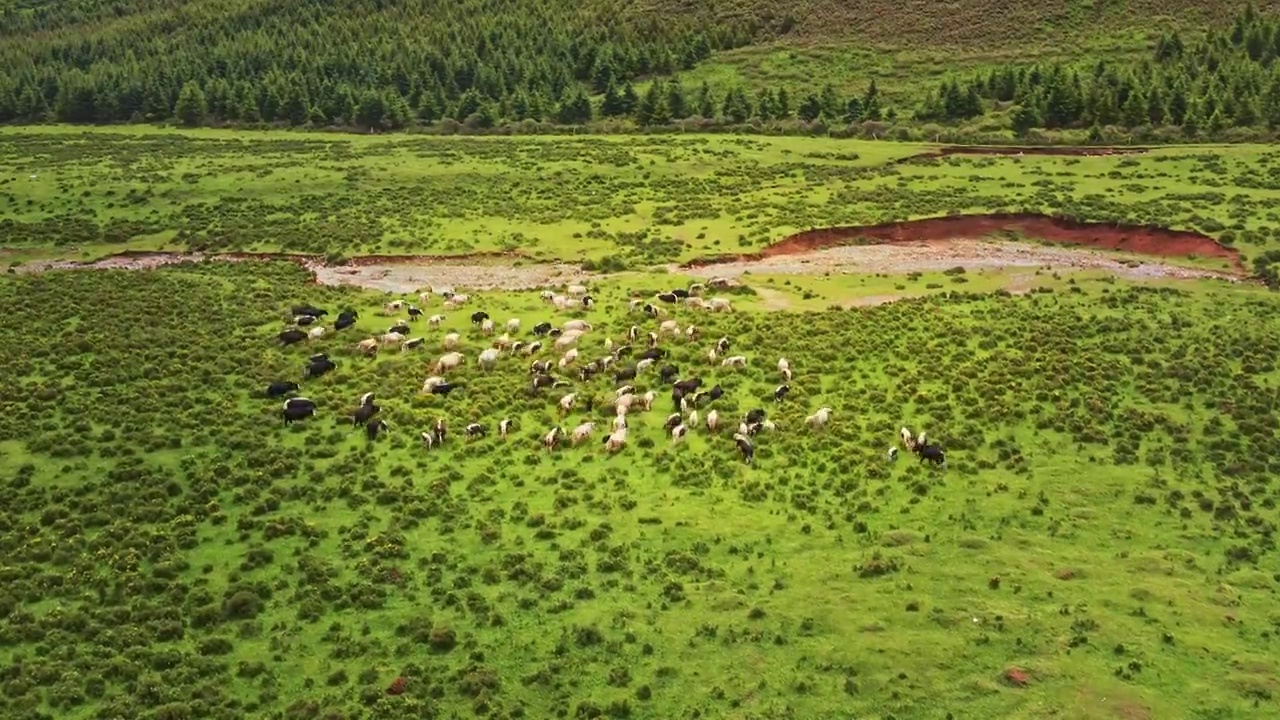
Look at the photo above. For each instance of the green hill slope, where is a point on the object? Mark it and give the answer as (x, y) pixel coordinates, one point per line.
(375, 63)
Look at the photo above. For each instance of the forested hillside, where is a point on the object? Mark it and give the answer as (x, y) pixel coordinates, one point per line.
(384, 65)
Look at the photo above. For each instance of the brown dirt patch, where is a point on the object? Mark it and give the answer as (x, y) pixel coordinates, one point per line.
(936, 256)
(1017, 677)
(1129, 238)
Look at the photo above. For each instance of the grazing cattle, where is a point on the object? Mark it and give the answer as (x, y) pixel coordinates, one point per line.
(447, 362)
(451, 340)
(588, 301)
(582, 432)
(616, 441)
(546, 295)
(666, 297)
(456, 300)
(566, 402)
(625, 390)
(542, 328)
(634, 304)
(755, 416)
(434, 321)
(680, 293)
(371, 430)
(308, 310)
(688, 386)
(533, 347)
(478, 317)
(543, 381)
(428, 439)
(653, 354)
(552, 437)
(318, 365)
(367, 347)
(820, 418)
(780, 392)
(399, 328)
(392, 307)
(391, 338)
(346, 319)
(653, 339)
(561, 302)
(625, 373)
(568, 358)
(719, 305)
(722, 345)
(415, 312)
(633, 333)
(489, 359)
(651, 310)
(932, 453)
(648, 398)
(622, 404)
(513, 325)
(670, 327)
(315, 333)
(486, 327)
(581, 325)
(567, 340)
(443, 388)
(624, 350)
(576, 290)
(920, 442)
(715, 393)
(893, 453)
(745, 447)
(441, 430)
(713, 420)
(677, 434)
(608, 344)
(504, 426)
(737, 361)
(475, 430)
(711, 356)
(303, 320)
(281, 387)
(696, 288)
(366, 410)
(539, 366)
(433, 381)
(719, 282)
(784, 367)
(692, 333)
(291, 336)
(673, 420)
(412, 343)
(696, 303)
(644, 364)
(693, 419)
(297, 409)
(667, 372)
(503, 342)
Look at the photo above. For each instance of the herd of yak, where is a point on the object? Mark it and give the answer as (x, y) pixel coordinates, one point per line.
(686, 395)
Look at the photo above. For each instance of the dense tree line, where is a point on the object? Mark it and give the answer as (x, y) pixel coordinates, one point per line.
(1227, 79)
(365, 62)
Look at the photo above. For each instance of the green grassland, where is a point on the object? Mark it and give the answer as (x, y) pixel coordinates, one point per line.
(636, 201)
(1100, 544)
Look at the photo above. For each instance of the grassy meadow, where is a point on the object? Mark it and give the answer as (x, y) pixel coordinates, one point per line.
(1099, 544)
(618, 202)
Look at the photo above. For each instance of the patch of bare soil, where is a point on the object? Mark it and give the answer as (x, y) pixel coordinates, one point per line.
(1056, 150)
(390, 274)
(936, 255)
(1127, 238)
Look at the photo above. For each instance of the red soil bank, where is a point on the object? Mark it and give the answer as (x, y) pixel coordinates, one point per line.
(1107, 236)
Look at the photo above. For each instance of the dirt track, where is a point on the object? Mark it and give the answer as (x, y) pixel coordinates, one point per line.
(1057, 150)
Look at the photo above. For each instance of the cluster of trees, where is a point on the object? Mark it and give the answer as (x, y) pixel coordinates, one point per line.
(363, 62)
(1227, 79)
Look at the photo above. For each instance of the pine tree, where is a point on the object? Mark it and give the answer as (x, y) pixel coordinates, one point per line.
(371, 110)
(831, 106)
(1024, 118)
(247, 105)
(677, 104)
(1155, 107)
(810, 108)
(737, 108)
(520, 105)
(1271, 102)
(8, 103)
(1216, 123)
(294, 104)
(853, 110)
(781, 104)
(871, 109)
(706, 102)
(652, 106)
(191, 109)
(1134, 112)
(612, 104)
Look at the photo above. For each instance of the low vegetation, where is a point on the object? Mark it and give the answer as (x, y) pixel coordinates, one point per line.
(1103, 526)
(613, 202)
